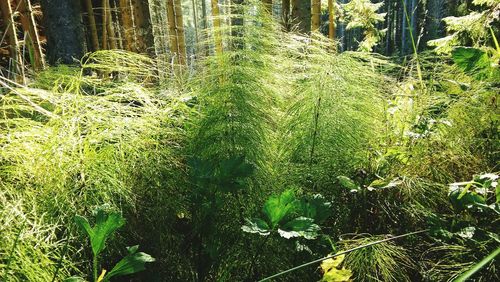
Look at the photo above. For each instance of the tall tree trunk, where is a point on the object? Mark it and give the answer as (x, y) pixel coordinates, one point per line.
(109, 26)
(142, 25)
(29, 26)
(94, 38)
(126, 15)
(301, 15)
(179, 26)
(389, 24)
(64, 31)
(104, 25)
(315, 15)
(404, 27)
(195, 22)
(217, 26)
(331, 20)
(10, 30)
(285, 14)
(172, 33)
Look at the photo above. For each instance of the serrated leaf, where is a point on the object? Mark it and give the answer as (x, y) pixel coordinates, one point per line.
(300, 227)
(106, 224)
(132, 263)
(277, 207)
(84, 224)
(472, 61)
(315, 207)
(256, 225)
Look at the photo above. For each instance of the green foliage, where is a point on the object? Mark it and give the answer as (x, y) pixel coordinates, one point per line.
(363, 14)
(381, 262)
(473, 28)
(106, 224)
(290, 216)
(475, 62)
(469, 273)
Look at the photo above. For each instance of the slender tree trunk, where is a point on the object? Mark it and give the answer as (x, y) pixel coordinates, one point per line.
(301, 15)
(172, 33)
(104, 15)
(142, 25)
(195, 21)
(109, 27)
(179, 26)
(94, 38)
(316, 15)
(217, 26)
(404, 27)
(285, 14)
(126, 14)
(331, 20)
(64, 31)
(389, 25)
(10, 30)
(29, 26)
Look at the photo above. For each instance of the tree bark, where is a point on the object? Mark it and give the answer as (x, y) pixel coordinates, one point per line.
(109, 26)
(217, 26)
(94, 38)
(126, 14)
(315, 15)
(172, 33)
(285, 14)
(29, 26)
(331, 17)
(179, 26)
(10, 30)
(301, 14)
(64, 31)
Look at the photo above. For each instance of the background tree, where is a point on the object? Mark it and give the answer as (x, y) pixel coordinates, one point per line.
(301, 15)
(64, 31)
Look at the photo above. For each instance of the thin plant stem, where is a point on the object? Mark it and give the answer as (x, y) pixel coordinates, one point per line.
(342, 253)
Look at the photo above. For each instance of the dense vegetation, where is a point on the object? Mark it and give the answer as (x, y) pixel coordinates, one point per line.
(265, 150)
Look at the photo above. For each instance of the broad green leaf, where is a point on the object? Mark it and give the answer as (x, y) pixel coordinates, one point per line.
(315, 207)
(332, 271)
(462, 201)
(471, 60)
(134, 262)
(384, 183)
(106, 224)
(347, 183)
(84, 224)
(300, 227)
(277, 207)
(256, 225)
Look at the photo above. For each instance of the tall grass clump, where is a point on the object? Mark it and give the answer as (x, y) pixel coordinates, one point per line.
(381, 262)
(77, 144)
